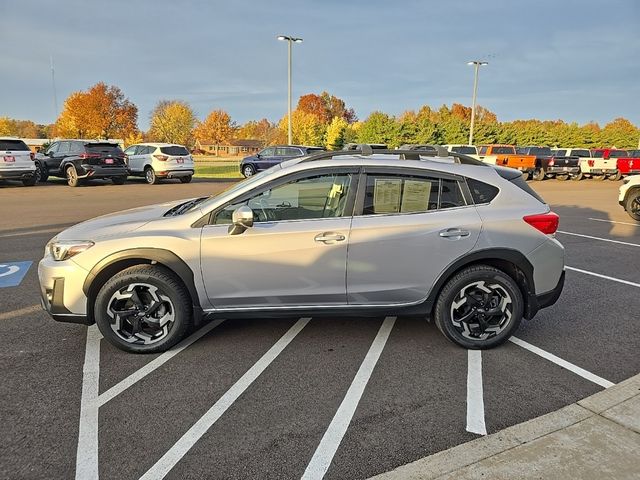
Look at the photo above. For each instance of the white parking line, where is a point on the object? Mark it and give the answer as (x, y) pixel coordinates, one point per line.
(600, 238)
(87, 452)
(323, 455)
(475, 396)
(33, 232)
(614, 221)
(138, 375)
(606, 277)
(164, 465)
(20, 312)
(563, 363)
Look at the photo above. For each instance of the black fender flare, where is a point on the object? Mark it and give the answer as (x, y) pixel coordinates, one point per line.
(150, 255)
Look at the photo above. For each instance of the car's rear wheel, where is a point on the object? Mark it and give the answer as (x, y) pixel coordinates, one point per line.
(615, 177)
(30, 182)
(150, 176)
(41, 172)
(248, 170)
(577, 177)
(119, 180)
(632, 204)
(480, 307)
(186, 179)
(72, 176)
(539, 175)
(143, 309)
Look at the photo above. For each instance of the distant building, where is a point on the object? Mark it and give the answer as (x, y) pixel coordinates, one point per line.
(230, 148)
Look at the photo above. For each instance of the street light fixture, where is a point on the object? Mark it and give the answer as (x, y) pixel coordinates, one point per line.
(477, 64)
(290, 40)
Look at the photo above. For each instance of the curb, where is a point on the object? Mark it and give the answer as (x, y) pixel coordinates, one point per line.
(530, 449)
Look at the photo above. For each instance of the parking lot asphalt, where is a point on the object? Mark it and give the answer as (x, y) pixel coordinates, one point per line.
(279, 398)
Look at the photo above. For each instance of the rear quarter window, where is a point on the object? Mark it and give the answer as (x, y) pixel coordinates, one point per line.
(14, 145)
(481, 192)
(174, 150)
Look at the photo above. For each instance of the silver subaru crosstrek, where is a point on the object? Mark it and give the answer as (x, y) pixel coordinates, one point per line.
(360, 232)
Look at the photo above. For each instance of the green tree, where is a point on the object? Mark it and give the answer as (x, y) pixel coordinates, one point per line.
(307, 129)
(172, 121)
(379, 128)
(336, 133)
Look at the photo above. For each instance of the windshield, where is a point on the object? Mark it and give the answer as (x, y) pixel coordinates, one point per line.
(618, 154)
(464, 150)
(539, 151)
(503, 150)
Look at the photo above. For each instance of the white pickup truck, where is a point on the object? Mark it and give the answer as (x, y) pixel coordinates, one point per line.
(469, 150)
(591, 167)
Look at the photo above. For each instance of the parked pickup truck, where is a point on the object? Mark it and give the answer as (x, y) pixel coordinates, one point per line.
(630, 164)
(469, 150)
(549, 165)
(596, 168)
(505, 155)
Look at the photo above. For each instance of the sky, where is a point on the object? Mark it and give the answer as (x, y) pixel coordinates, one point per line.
(576, 60)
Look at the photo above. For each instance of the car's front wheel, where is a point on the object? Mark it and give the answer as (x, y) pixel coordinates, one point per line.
(539, 175)
(248, 170)
(143, 309)
(41, 172)
(632, 204)
(480, 307)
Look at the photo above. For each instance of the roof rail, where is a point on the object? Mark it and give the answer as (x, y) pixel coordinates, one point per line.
(404, 154)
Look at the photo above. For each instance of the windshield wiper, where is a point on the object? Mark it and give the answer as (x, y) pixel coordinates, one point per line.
(184, 207)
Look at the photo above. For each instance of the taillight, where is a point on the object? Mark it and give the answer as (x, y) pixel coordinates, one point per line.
(84, 156)
(591, 162)
(546, 223)
(162, 158)
(552, 162)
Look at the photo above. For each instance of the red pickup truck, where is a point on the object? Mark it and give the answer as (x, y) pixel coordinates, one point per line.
(629, 165)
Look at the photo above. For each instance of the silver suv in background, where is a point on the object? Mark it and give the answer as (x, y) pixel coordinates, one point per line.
(470, 245)
(156, 161)
(16, 161)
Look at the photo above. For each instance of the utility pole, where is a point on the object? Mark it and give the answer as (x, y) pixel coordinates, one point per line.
(477, 64)
(53, 84)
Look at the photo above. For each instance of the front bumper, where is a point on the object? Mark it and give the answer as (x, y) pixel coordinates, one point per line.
(61, 294)
(6, 174)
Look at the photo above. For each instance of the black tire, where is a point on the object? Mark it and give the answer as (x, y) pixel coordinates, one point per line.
(186, 179)
(118, 180)
(248, 170)
(577, 177)
(471, 283)
(632, 204)
(539, 175)
(150, 176)
(30, 182)
(169, 302)
(615, 177)
(41, 172)
(72, 176)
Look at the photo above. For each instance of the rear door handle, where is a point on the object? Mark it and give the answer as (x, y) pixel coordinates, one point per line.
(454, 232)
(329, 237)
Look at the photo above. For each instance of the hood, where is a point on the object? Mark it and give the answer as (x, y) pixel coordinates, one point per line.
(117, 223)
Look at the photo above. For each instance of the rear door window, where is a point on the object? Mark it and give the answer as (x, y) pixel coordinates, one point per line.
(174, 150)
(64, 148)
(14, 145)
(391, 194)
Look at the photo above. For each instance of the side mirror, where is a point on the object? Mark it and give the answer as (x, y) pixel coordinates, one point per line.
(258, 155)
(242, 219)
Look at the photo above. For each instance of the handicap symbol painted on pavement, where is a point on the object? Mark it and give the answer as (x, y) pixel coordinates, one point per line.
(12, 273)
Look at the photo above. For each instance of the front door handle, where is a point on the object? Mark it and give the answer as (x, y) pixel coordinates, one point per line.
(329, 237)
(454, 232)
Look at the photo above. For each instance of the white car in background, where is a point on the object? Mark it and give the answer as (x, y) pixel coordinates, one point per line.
(16, 161)
(629, 196)
(156, 161)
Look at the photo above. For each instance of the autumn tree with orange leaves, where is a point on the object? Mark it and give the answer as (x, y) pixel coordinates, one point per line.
(217, 128)
(101, 112)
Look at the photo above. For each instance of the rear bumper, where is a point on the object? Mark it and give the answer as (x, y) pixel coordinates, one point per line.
(544, 300)
(175, 173)
(21, 174)
(563, 170)
(100, 171)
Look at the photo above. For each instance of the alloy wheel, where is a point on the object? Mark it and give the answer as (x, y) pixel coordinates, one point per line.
(141, 313)
(481, 310)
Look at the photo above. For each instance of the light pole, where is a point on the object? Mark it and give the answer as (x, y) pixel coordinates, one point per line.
(477, 64)
(290, 40)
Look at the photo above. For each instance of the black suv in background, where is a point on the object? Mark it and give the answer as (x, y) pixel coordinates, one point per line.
(270, 156)
(77, 160)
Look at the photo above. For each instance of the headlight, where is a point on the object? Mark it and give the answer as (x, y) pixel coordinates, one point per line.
(65, 249)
